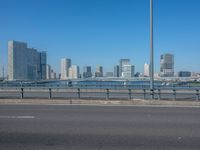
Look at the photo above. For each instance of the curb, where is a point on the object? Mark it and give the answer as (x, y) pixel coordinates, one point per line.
(98, 102)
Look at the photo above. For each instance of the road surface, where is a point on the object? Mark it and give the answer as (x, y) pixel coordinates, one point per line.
(59, 127)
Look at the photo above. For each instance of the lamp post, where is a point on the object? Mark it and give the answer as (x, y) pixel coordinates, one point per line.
(151, 50)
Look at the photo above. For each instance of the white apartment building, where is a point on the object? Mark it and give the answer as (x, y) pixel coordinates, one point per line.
(146, 70)
(64, 68)
(74, 72)
(128, 71)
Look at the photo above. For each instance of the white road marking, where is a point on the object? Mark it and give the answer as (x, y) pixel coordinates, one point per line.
(17, 117)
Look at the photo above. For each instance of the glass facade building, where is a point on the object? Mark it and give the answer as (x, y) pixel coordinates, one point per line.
(25, 63)
(87, 72)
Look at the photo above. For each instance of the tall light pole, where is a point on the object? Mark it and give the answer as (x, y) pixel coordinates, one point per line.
(151, 50)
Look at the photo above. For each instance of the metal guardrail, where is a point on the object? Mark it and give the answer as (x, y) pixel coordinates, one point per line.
(101, 93)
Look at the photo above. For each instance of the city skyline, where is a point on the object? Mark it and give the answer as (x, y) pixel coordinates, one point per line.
(27, 63)
(101, 33)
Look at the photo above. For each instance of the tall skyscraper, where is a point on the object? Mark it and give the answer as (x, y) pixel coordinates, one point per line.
(146, 70)
(99, 71)
(116, 71)
(87, 72)
(167, 65)
(128, 71)
(42, 65)
(123, 62)
(25, 63)
(74, 72)
(17, 70)
(65, 65)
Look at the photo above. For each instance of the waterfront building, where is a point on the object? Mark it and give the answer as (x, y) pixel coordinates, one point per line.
(184, 74)
(128, 71)
(53, 75)
(109, 74)
(74, 72)
(48, 72)
(42, 65)
(99, 71)
(156, 75)
(2, 74)
(167, 65)
(25, 63)
(137, 74)
(87, 72)
(123, 62)
(195, 75)
(65, 65)
(132, 70)
(146, 70)
(116, 71)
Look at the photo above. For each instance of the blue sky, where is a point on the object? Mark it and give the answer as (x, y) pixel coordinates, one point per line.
(100, 32)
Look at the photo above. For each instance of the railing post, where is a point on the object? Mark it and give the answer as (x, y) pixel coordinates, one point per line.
(174, 94)
(159, 94)
(79, 93)
(50, 96)
(129, 94)
(144, 93)
(107, 94)
(22, 93)
(197, 95)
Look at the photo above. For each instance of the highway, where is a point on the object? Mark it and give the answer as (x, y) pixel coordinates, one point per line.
(82, 127)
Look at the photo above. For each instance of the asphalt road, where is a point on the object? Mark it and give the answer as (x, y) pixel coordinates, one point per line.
(48, 127)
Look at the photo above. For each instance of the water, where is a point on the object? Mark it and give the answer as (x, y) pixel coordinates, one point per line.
(94, 83)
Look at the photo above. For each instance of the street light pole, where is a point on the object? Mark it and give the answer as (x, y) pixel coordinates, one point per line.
(151, 50)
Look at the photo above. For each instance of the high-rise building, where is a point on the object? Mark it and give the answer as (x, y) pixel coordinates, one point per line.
(17, 70)
(25, 63)
(74, 72)
(48, 72)
(2, 74)
(42, 65)
(87, 72)
(99, 71)
(116, 71)
(128, 71)
(167, 65)
(146, 70)
(123, 62)
(132, 70)
(65, 65)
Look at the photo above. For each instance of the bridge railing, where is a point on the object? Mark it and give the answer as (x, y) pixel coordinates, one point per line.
(126, 93)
